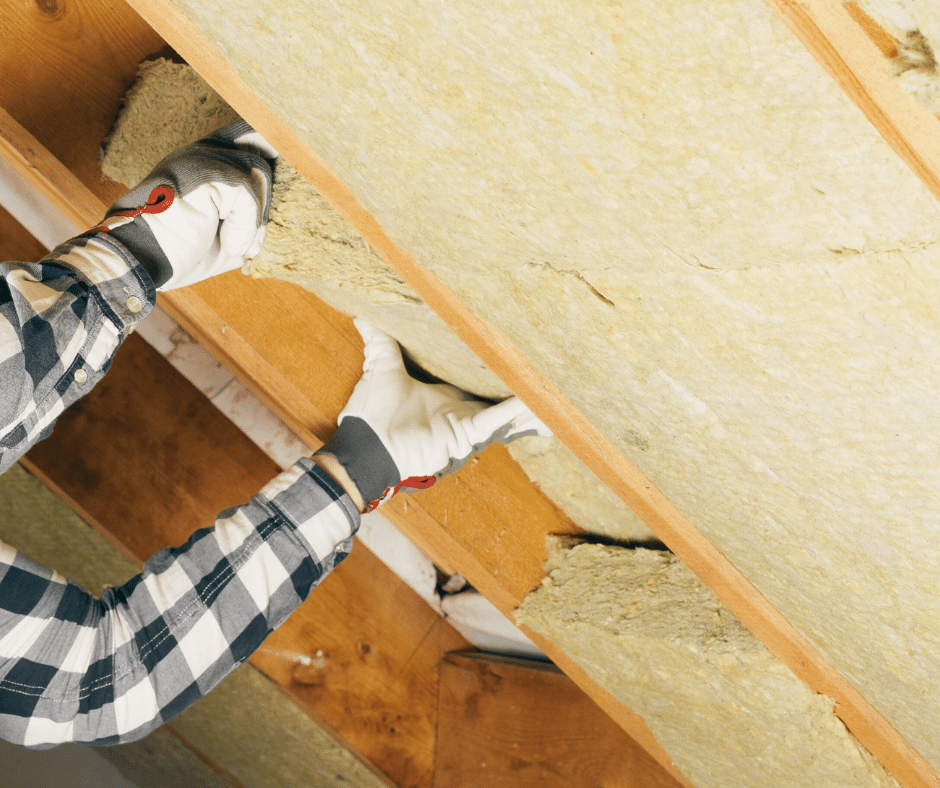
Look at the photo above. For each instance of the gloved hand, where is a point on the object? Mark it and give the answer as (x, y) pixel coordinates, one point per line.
(202, 211)
(396, 432)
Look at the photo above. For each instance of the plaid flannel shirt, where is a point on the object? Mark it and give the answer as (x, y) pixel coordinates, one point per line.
(110, 670)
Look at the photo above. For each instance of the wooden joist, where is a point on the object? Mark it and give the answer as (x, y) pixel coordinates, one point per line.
(93, 48)
(481, 554)
(517, 723)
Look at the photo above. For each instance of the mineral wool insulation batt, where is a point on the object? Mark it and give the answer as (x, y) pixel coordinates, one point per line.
(726, 709)
(677, 216)
(310, 244)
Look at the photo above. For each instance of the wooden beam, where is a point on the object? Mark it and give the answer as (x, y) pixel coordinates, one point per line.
(489, 567)
(46, 173)
(846, 42)
(886, 43)
(488, 522)
(524, 724)
(85, 55)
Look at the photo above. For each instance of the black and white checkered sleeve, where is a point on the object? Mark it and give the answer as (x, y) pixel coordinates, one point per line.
(61, 321)
(109, 670)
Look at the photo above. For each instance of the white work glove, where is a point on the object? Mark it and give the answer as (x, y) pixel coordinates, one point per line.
(398, 433)
(202, 211)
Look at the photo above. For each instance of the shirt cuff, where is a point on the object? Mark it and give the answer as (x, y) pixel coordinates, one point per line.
(315, 505)
(121, 284)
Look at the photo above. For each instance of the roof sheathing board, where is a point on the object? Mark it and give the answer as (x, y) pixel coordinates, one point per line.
(685, 225)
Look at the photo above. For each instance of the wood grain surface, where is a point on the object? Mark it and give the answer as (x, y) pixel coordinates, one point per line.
(512, 723)
(65, 65)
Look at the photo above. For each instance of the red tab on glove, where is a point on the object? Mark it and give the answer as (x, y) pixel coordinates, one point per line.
(412, 483)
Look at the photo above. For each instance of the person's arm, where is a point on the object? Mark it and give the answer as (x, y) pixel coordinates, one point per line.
(76, 668)
(109, 670)
(61, 322)
(200, 212)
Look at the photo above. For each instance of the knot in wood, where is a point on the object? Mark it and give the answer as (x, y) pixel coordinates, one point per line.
(52, 8)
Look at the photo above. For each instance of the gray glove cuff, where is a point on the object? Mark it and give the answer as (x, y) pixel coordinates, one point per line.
(140, 242)
(368, 463)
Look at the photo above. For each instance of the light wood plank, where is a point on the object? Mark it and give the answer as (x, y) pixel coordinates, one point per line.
(66, 64)
(912, 133)
(52, 180)
(370, 686)
(881, 38)
(523, 724)
(488, 522)
(854, 56)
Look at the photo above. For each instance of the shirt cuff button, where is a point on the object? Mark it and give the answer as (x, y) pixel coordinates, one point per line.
(134, 305)
(80, 376)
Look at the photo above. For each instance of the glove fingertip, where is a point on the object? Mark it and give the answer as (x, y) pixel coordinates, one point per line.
(241, 134)
(514, 414)
(256, 244)
(531, 425)
(363, 326)
(379, 346)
